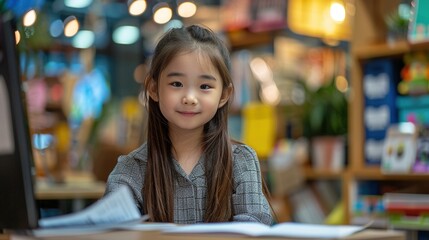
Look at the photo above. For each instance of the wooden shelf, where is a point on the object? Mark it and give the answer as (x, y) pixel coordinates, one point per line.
(380, 50)
(387, 50)
(242, 38)
(376, 174)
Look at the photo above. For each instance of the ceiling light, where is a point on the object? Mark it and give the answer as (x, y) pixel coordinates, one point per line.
(71, 26)
(126, 35)
(186, 9)
(137, 7)
(162, 13)
(83, 39)
(77, 3)
(29, 18)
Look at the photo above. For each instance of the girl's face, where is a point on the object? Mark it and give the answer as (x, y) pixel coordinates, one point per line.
(189, 91)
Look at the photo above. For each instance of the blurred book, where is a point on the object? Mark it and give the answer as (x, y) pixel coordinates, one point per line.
(306, 207)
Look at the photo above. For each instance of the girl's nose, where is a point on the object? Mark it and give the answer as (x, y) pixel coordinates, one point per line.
(189, 100)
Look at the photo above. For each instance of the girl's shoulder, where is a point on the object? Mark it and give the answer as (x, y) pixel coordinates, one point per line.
(139, 154)
(244, 157)
(242, 149)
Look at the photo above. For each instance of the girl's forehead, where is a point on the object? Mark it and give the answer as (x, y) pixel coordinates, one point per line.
(198, 56)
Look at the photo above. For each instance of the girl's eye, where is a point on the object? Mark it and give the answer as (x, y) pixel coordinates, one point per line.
(176, 84)
(205, 87)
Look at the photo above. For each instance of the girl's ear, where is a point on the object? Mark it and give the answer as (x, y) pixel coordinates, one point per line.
(225, 96)
(153, 90)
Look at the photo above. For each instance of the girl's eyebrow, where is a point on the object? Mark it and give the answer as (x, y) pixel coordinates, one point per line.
(175, 74)
(203, 76)
(208, 77)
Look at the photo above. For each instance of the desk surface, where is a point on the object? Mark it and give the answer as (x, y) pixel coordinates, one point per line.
(138, 235)
(75, 186)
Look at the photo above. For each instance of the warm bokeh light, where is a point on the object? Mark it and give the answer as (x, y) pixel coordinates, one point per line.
(29, 18)
(261, 70)
(269, 93)
(71, 26)
(17, 37)
(321, 19)
(187, 9)
(137, 7)
(162, 13)
(337, 12)
(341, 83)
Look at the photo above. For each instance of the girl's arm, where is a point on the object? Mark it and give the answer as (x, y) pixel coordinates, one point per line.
(128, 171)
(249, 201)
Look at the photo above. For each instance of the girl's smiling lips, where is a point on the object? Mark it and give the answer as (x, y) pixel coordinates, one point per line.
(186, 113)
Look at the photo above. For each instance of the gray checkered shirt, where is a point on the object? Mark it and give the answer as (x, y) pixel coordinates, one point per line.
(249, 202)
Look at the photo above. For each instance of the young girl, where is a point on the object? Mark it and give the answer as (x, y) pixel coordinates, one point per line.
(189, 171)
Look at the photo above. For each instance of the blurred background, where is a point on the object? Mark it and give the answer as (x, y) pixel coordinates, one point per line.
(318, 85)
(83, 64)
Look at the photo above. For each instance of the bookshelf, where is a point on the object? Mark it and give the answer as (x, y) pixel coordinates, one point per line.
(369, 41)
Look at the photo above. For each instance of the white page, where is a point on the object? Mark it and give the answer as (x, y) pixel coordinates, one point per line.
(288, 229)
(302, 230)
(147, 226)
(87, 229)
(245, 228)
(117, 207)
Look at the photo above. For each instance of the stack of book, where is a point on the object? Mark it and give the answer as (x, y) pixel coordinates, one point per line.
(407, 210)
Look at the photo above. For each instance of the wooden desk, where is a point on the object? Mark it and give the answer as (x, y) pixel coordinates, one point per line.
(69, 190)
(75, 186)
(76, 193)
(138, 235)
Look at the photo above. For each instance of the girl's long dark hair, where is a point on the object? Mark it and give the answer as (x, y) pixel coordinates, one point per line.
(158, 189)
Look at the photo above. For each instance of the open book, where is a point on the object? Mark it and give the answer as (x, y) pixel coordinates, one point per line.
(287, 229)
(110, 212)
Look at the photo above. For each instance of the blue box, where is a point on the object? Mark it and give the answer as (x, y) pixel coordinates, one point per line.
(413, 109)
(380, 78)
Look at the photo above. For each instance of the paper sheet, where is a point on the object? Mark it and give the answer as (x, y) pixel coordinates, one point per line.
(287, 229)
(117, 207)
(147, 226)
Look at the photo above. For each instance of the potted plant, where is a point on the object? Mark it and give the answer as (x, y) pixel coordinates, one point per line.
(325, 124)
